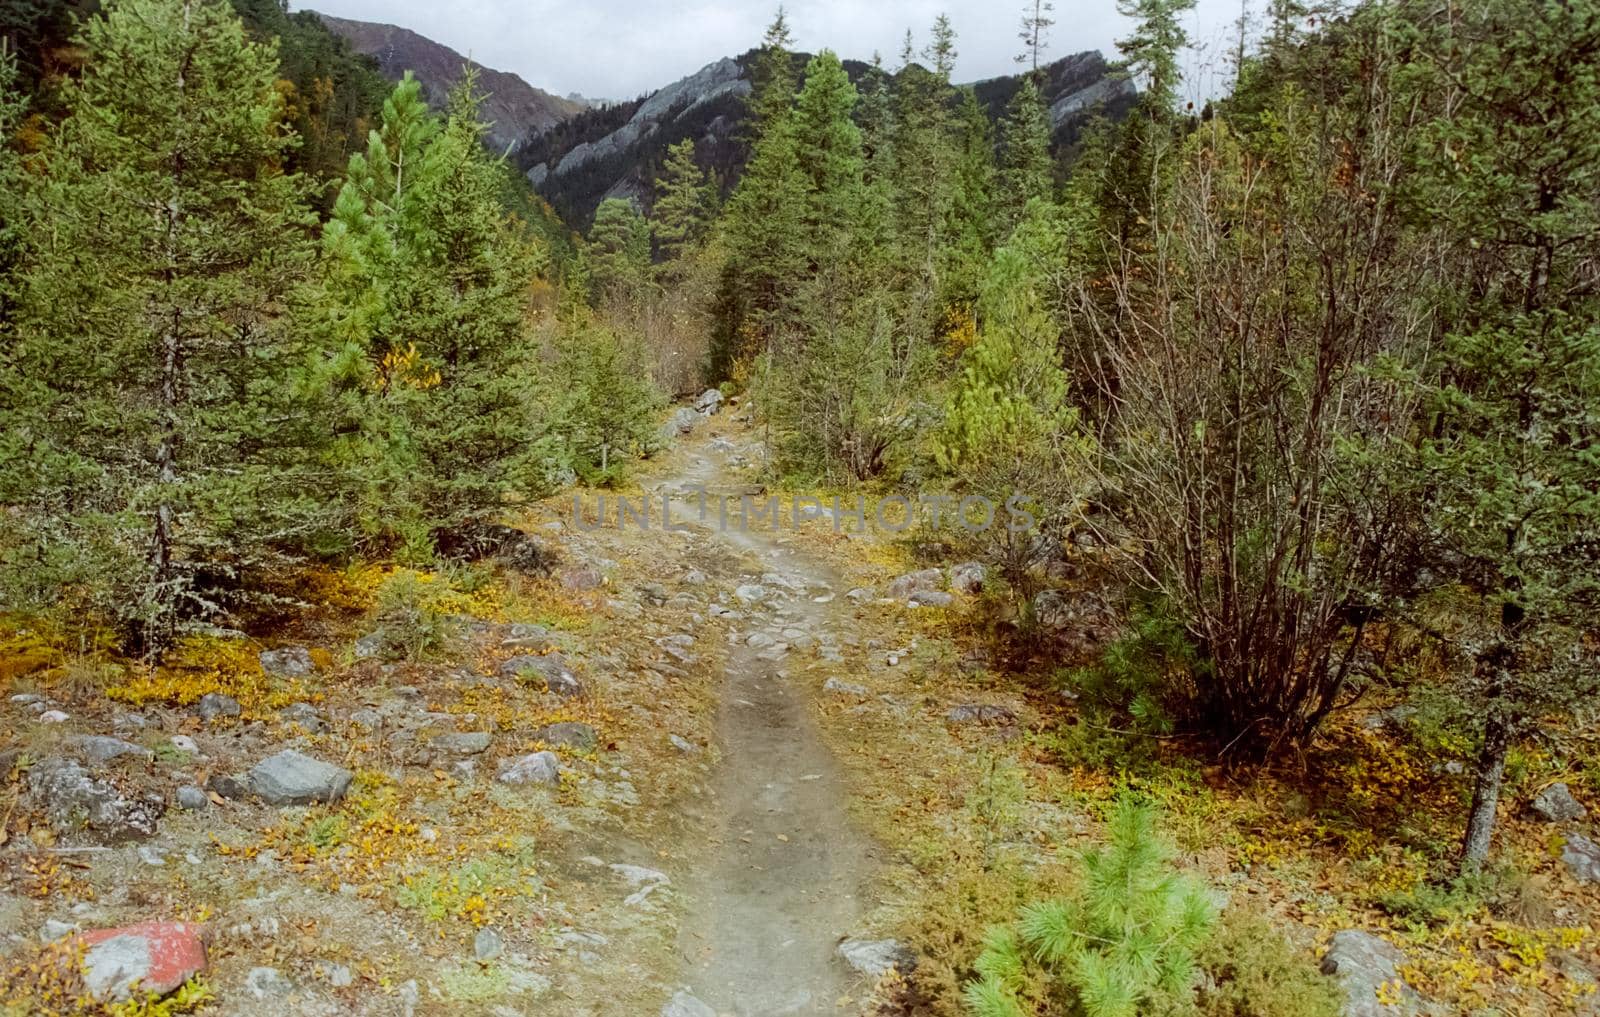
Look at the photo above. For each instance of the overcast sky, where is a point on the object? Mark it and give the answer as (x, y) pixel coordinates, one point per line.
(617, 49)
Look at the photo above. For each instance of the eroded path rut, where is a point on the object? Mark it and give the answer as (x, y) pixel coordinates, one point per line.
(784, 880)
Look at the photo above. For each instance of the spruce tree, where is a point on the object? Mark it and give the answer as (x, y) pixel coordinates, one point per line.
(156, 422)
(618, 253)
(683, 201)
(428, 282)
(1027, 169)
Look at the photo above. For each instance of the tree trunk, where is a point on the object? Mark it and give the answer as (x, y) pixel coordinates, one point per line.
(1486, 792)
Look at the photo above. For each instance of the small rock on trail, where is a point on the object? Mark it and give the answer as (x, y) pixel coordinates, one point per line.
(875, 957)
(1363, 963)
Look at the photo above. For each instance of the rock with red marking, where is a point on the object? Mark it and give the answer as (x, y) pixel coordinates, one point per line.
(153, 957)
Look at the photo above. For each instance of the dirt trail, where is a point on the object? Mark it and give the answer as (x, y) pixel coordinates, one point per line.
(784, 882)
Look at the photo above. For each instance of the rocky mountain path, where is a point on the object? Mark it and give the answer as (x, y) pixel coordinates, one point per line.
(769, 905)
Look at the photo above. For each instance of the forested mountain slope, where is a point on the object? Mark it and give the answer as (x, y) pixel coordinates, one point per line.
(619, 150)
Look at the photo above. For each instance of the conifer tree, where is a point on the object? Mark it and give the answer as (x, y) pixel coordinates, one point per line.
(157, 427)
(1123, 944)
(13, 106)
(428, 279)
(1026, 164)
(683, 201)
(618, 253)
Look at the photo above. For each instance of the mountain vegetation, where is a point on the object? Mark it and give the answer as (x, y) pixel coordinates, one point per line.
(1266, 435)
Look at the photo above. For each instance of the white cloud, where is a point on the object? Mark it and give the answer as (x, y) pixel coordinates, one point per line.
(618, 49)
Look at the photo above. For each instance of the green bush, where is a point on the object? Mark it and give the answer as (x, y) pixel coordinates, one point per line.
(1142, 677)
(415, 616)
(1125, 943)
(1253, 972)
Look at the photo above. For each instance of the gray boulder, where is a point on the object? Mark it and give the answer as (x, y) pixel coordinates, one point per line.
(710, 402)
(104, 748)
(1363, 963)
(487, 945)
(292, 778)
(75, 801)
(1582, 856)
(1555, 804)
(538, 768)
(462, 743)
(930, 598)
(922, 581)
(552, 667)
(215, 704)
(844, 688)
(304, 714)
(193, 799)
(569, 734)
(288, 662)
(968, 577)
(682, 422)
(876, 957)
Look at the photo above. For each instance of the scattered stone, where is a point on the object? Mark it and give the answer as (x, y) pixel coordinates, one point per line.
(693, 577)
(476, 540)
(1555, 804)
(104, 748)
(683, 744)
(523, 636)
(224, 786)
(53, 717)
(366, 718)
(638, 875)
(369, 646)
(750, 593)
(930, 598)
(981, 713)
(462, 743)
(183, 743)
(758, 640)
(338, 976)
(73, 800)
(552, 667)
(292, 778)
(578, 580)
(487, 945)
(307, 716)
(193, 798)
(875, 957)
(215, 704)
(152, 856)
(683, 1004)
(158, 957)
(710, 402)
(915, 582)
(859, 595)
(27, 698)
(1582, 856)
(53, 930)
(1363, 963)
(845, 688)
(569, 734)
(538, 768)
(267, 983)
(289, 662)
(968, 577)
(683, 421)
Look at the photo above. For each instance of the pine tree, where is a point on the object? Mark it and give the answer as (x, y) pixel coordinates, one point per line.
(683, 201)
(428, 281)
(618, 253)
(157, 425)
(13, 106)
(1026, 166)
(1123, 945)
(973, 227)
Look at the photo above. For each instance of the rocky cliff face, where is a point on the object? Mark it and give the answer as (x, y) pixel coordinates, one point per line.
(616, 151)
(515, 109)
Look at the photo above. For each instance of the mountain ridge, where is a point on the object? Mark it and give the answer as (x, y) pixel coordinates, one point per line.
(515, 109)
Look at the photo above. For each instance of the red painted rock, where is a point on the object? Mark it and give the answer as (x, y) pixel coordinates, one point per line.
(149, 957)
